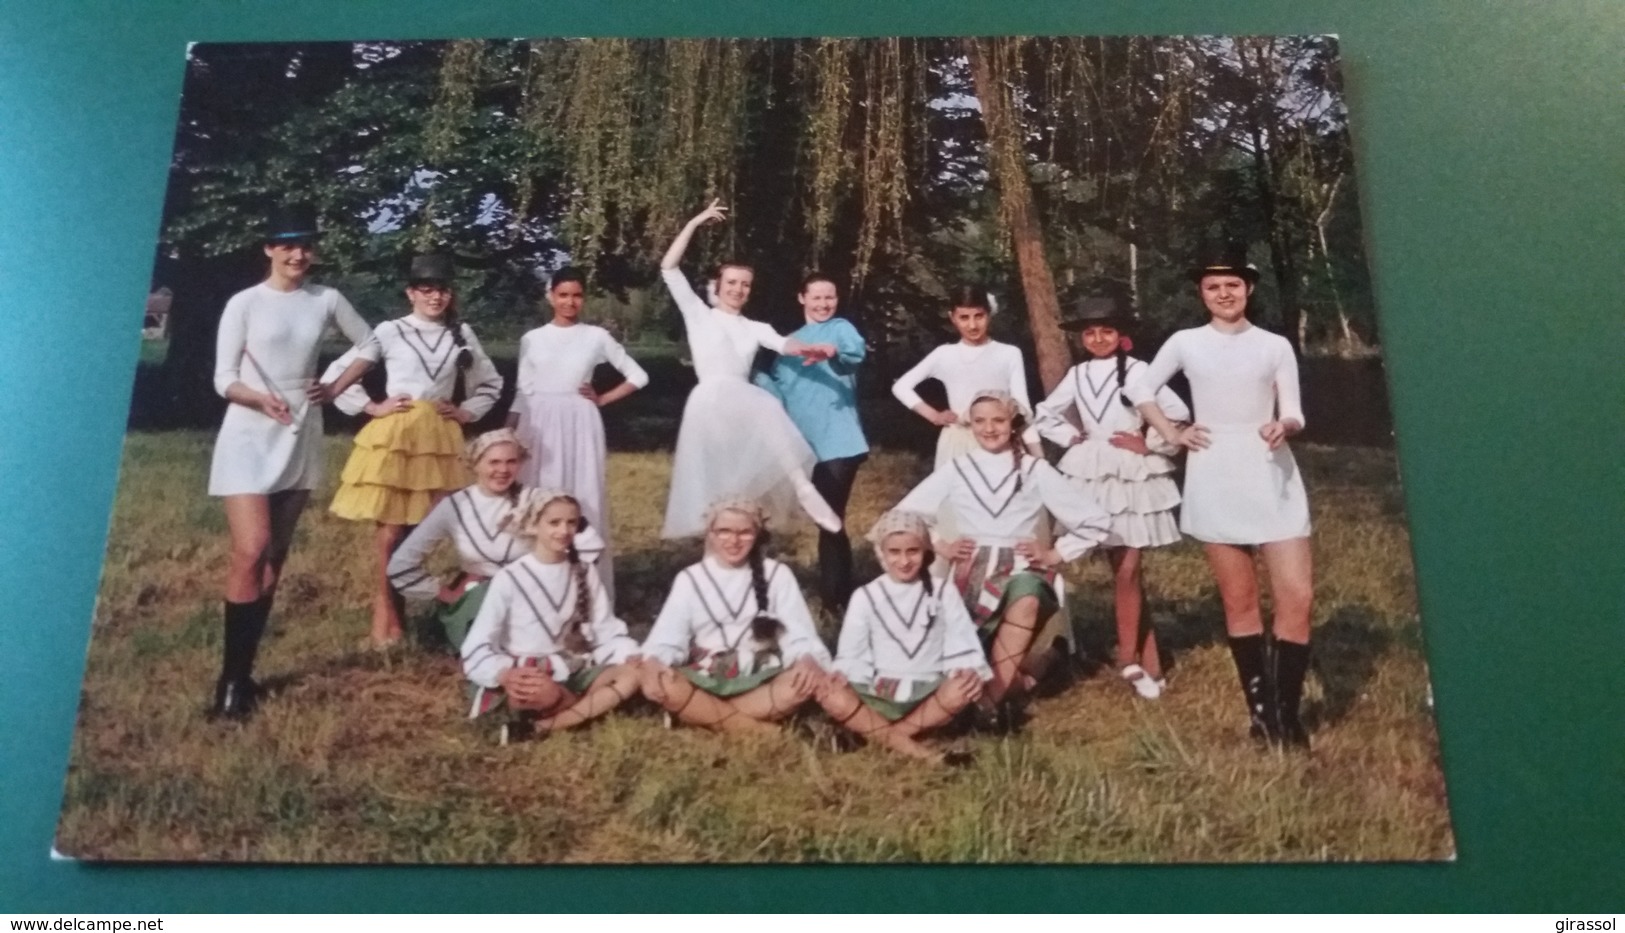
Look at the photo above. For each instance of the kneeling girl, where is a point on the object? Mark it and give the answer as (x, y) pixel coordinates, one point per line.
(545, 643)
(734, 647)
(997, 499)
(908, 660)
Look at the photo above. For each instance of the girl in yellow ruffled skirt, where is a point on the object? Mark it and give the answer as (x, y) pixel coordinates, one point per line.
(410, 455)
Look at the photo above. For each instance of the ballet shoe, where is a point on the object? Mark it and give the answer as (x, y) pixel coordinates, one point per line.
(816, 508)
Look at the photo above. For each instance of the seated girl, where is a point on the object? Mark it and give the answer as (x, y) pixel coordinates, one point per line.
(908, 660)
(734, 648)
(997, 499)
(545, 644)
(475, 521)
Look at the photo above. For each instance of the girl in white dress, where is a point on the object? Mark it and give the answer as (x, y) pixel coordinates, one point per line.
(908, 659)
(734, 648)
(556, 411)
(410, 455)
(976, 362)
(735, 437)
(1242, 487)
(998, 497)
(546, 644)
(269, 452)
(476, 522)
(1109, 456)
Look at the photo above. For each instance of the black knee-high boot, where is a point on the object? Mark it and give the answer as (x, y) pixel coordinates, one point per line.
(1291, 664)
(234, 692)
(1248, 652)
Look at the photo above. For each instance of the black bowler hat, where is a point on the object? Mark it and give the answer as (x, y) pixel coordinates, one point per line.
(430, 268)
(1224, 259)
(1099, 311)
(291, 222)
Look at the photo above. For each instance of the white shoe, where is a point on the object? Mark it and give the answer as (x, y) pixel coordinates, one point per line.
(1148, 687)
(816, 508)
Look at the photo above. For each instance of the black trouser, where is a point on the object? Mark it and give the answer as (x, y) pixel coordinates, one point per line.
(833, 479)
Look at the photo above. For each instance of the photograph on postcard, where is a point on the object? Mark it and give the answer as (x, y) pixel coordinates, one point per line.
(747, 450)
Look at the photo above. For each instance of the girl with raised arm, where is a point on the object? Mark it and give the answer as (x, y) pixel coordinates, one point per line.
(1242, 487)
(268, 456)
(735, 437)
(1111, 459)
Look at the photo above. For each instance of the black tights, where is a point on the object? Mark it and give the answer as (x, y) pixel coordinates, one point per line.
(833, 479)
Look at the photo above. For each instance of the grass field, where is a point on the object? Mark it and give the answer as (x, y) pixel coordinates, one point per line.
(360, 757)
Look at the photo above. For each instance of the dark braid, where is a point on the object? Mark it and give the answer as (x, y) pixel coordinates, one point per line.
(514, 492)
(765, 629)
(1122, 375)
(465, 357)
(575, 637)
(929, 558)
(1017, 425)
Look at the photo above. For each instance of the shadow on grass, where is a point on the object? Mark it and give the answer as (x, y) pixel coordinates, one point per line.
(1348, 647)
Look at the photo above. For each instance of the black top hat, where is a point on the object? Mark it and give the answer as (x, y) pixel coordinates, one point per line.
(1099, 310)
(291, 222)
(1224, 259)
(431, 268)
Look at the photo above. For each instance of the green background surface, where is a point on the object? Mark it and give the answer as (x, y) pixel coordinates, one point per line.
(1490, 143)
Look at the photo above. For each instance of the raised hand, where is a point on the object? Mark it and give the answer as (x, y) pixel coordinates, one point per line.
(716, 212)
(944, 419)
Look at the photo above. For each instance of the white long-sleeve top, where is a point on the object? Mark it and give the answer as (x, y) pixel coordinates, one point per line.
(723, 345)
(710, 608)
(965, 370)
(420, 360)
(525, 614)
(896, 630)
(981, 489)
(1090, 393)
(561, 359)
(471, 519)
(283, 331)
(1241, 379)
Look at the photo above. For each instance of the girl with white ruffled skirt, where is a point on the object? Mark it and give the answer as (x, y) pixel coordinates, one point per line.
(1109, 456)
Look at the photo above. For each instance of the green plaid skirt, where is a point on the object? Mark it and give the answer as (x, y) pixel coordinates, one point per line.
(881, 696)
(720, 674)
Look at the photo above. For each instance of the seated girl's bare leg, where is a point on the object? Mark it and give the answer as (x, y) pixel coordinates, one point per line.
(1010, 643)
(612, 688)
(553, 697)
(678, 696)
(779, 697)
(848, 710)
(947, 701)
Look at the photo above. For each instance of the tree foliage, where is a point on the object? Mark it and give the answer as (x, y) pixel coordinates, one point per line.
(1101, 163)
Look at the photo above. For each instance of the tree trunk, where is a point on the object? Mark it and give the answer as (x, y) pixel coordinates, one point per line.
(1007, 159)
(1281, 256)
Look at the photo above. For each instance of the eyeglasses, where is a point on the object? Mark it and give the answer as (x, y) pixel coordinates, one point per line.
(734, 534)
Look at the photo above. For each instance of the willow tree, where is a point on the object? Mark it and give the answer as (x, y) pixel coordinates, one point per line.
(995, 64)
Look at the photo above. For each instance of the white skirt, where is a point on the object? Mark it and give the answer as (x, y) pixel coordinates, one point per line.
(1138, 491)
(254, 454)
(565, 436)
(1238, 491)
(735, 439)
